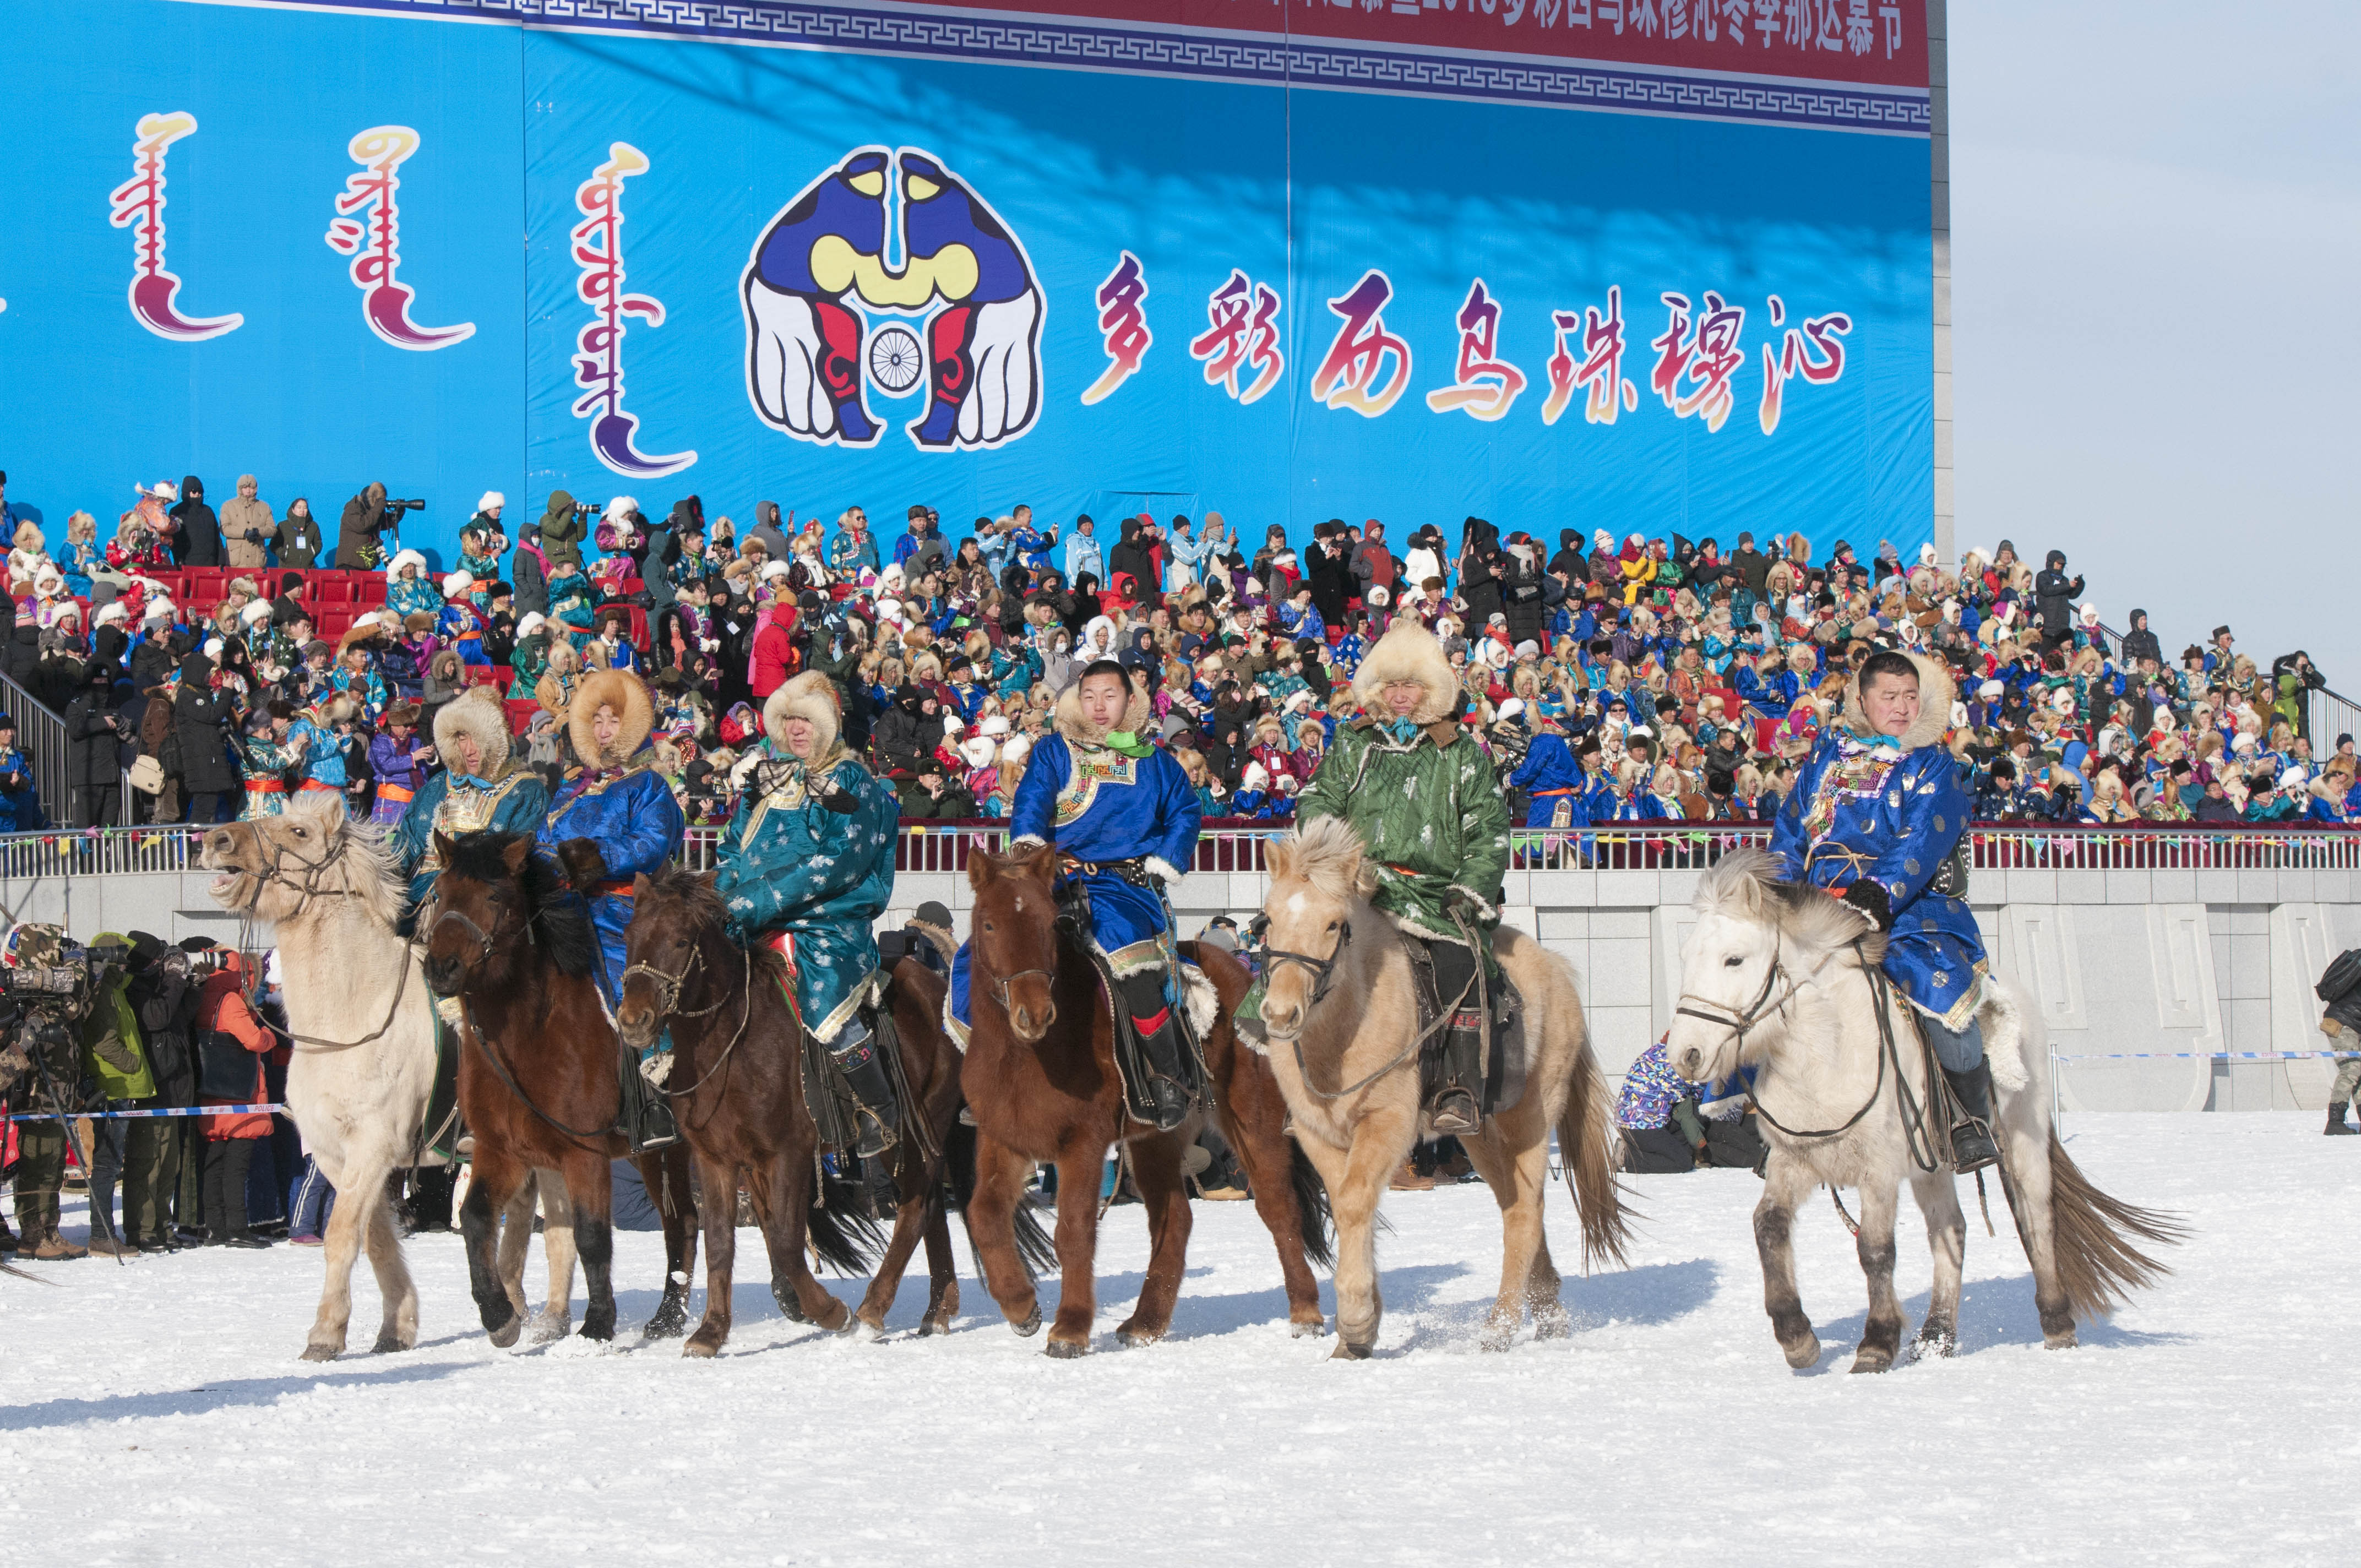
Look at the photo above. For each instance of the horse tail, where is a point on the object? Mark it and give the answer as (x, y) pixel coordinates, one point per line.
(1586, 1147)
(2092, 1237)
(1315, 1230)
(1034, 1246)
(844, 1234)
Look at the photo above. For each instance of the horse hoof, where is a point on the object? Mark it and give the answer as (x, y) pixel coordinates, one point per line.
(506, 1335)
(1937, 1343)
(671, 1320)
(1031, 1325)
(322, 1352)
(1067, 1350)
(1347, 1350)
(598, 1325)
(702, 1348)
(1552, 1322)
(547, 1328)
(786, 1297)
(865, 1332)
(2065, 1341)
(1308, 1330)
(931, 1324)
(1496, 1338)
(1803, 1353)
(387, 1344)
(1136, 1339)
(1865, 1362)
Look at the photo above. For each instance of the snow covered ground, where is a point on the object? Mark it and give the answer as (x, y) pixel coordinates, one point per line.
(156, 1412)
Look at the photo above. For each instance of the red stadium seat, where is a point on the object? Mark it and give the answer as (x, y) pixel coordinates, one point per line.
(372, 586)
(521, 712)
(336, 589)
(334, 620)
(481, 675)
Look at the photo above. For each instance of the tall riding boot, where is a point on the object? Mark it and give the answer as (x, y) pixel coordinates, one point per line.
(1456, 1110)
(1159, 1042)
(2336, 1127)
(647, 1108)
(1972, 1147)
(857, 1057)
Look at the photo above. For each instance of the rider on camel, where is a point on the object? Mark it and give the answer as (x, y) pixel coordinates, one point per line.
(1424, 797)
(1876, 813)
(614, 818)
(1124, 816)
(481, 789)
(807, 865)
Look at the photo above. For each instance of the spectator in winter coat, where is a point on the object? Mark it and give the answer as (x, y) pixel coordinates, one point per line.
(199, 541)
(773, 652)
(1373, 564)
(357, 543)
(227, 1022)
(1082, 553)
(2053, 595)
(205, 722)
(248, 529)
(560, 534)
(299, 537)
(2139, 642)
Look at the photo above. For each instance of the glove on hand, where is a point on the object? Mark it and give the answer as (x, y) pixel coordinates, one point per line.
(1871, 898)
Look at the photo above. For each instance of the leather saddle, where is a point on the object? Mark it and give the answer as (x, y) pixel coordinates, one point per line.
(1504, 1064)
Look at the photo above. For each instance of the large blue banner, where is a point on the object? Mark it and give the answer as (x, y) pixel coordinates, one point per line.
(455, 254)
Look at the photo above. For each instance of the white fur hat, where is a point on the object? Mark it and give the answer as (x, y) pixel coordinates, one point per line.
(953, 724)
(491, 501)
(2090, 615)
(774, 569)
(162, 489)
(1255, 777)
(1513, 708)
(533, 621)
(1991, 689)
(255, 613)
(2295, 778)
(111, 613)
(1016, 748)
(160, 608)
(995, 725)
(1927, 554)
(405, 558)
(977, 752)
(2244, 742)
(622, 506)
(1378, 596)
(457, 583)
(211, 650)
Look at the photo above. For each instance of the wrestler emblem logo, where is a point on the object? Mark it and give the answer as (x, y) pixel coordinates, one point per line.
(888, 278)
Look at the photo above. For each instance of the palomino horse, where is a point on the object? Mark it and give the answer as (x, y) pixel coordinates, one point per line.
(1040, 1079)
(1785, 977)
(362, 1024)
(537, 1071)
(1351, 1076)
(736, 1088)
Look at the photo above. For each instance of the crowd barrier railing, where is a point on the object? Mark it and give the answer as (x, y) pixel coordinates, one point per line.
(1241, 846)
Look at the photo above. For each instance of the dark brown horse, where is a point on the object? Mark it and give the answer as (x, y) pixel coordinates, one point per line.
(739, 1098)
(1040, 1078)
(537, 1071)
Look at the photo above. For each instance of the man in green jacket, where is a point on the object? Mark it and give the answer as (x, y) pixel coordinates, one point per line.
(1425, 800)
(116, 1054)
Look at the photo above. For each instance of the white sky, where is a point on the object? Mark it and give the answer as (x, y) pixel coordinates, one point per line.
(2155, 209)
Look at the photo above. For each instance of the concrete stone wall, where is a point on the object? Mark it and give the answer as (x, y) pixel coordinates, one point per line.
(2117, 961)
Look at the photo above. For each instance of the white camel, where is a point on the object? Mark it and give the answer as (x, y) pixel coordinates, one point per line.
(1782, 978)
(363, 1068)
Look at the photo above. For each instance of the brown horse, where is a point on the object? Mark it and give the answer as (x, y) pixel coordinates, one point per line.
(537, 1071)
(1041, 1080)
(738, 1095)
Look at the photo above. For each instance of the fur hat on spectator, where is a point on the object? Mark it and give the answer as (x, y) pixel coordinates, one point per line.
(1408, 651)
(810, 696)
(532, 622)
(454, 583)
(255, 613)
(404, 558)
(491, 501)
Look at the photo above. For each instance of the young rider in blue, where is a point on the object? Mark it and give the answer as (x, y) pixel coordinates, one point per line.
(1123, 817)
(620, 807)
(1876, 811)
(480, 789)
(807, 866)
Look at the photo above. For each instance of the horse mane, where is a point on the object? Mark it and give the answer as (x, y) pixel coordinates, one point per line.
(560, 920)
(698, 898)
(1744, 885)
(1328, 853)
(374, 877)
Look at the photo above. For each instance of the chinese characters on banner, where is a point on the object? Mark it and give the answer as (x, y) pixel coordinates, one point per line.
(138, 204)
(1486, 384)
(1812, 351)
(1600, 371)
(1242, 328)
(1367, 366)
(1123, 324)
(374, 246)
(599, 362)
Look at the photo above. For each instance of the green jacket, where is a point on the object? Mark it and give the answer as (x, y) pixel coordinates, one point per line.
(111, 1047)
(1431, 812)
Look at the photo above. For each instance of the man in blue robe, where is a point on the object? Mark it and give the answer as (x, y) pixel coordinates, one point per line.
(616, 818)
(480, 789)
(1124, 816)
(807, 864)
(1876, 814)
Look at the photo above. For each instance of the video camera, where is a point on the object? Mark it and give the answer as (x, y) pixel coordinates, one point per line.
(585, 511)
(395, 509)
(53, 974)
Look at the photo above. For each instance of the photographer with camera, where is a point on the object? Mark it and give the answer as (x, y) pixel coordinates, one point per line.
(164, 994)
(49, 990)
(114, 1056)
(564, 524)
(367, 517)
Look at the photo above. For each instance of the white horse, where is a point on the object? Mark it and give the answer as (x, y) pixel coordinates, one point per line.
(1328, 940)
(363, 1068)
(1782, 978)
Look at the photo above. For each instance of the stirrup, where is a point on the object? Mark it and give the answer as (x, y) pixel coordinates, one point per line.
(1974, 1146)
(1454, 1113)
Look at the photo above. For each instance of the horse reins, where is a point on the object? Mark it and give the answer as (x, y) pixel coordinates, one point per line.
(1323, 973)
(668, 1005)
(310, 888)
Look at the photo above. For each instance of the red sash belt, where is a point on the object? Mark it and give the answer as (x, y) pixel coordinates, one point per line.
(265, 786)
(394, 792)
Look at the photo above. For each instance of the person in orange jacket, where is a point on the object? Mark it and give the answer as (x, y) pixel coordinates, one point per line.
(226, 1021)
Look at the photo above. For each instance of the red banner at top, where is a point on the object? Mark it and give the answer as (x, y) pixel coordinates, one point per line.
(1880, 42)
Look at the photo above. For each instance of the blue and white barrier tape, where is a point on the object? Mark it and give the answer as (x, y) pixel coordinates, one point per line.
(134, 1116)
(2208, 1055)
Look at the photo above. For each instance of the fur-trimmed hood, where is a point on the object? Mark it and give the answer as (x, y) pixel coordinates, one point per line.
(810, 696)
(476, 712)
(1408, 651)
(629, 697)
(1935, 695)
(1080, 731)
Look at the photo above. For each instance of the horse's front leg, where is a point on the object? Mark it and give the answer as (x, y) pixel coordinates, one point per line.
(1000, 1174)
(396, 1290)
(1156, 1166)
(719, 1184)
(666, 1173)
(590, 1186)
(555, 1319)
(516, 1236)
(347, 1223)
(1881, 1336)
(1079, 1175)
(1947, 1238)
(495, 1177)
(1786, 1182)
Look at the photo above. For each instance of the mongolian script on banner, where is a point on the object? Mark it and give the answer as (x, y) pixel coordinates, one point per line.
(375, 244)
(598, 360)
(138, 204)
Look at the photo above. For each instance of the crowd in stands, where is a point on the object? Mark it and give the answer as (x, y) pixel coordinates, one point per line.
(226, 659)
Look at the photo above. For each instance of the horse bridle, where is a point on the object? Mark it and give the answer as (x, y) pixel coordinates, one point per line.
(668, 984)
(1322, 971)
(1735, 1022)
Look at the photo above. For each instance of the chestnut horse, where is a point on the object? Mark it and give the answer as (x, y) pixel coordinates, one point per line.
(736, 1088)
(1041, 1081)
(537, 1071)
